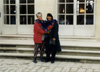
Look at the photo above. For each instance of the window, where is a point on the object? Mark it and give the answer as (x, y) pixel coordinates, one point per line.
(66, 12)
(26, 12)
(83, 12)
(9, 12)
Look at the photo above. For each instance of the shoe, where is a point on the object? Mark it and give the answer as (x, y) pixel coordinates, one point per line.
(34, 60)
(47, 60)
(52, 61)
(43, 60)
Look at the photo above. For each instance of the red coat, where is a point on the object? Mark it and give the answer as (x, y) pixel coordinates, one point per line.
(38, 31)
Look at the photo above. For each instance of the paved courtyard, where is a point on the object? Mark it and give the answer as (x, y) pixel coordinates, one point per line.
(26, 65)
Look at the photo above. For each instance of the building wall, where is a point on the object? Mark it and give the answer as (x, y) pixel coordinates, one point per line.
(98, 20)
(45, 6)
(0, 26)
(49, 6)
(1, 17)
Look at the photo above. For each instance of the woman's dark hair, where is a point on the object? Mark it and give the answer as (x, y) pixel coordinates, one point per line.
(49, 14)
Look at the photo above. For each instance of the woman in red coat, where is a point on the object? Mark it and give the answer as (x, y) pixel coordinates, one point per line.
(38, 31)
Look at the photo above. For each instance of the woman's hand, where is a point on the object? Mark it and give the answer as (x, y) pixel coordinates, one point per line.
(54, 39)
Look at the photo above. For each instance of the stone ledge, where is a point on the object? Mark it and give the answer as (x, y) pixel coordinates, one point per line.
(63, 43)
(57, 56)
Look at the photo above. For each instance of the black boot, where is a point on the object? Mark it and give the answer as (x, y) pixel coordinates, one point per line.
(47, 59)
(52, 61)
(42, 59)
(34, 60)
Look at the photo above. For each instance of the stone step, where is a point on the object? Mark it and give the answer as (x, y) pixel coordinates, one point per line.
(57, 56)
(63, 50)
(69, 48)
(81, 51)
(70, 45)
(16, 42)
(63, 43)
(61, 36)
(17, 49)
(29, 48)
(30, 37)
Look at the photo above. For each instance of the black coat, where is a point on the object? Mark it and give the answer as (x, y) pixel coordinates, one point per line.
(54, 34)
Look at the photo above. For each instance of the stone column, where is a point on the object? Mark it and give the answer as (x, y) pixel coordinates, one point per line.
(1, 16)
(98, 20)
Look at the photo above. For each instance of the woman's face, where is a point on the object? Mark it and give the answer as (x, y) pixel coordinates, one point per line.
(40, 17)
(49, 18)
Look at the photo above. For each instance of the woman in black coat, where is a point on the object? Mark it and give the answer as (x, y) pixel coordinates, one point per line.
(53, 35)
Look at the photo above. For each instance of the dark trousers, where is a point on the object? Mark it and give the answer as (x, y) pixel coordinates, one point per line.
(50, 49)
(37, 47)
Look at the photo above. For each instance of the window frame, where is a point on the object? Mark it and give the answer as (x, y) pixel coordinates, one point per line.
(27, 14)
(17, 14)
(75, 12)
(9, 14)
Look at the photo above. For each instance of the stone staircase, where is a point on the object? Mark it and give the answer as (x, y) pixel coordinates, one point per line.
(72, 48)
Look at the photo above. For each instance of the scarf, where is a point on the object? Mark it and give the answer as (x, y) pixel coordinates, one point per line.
(47, 26)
